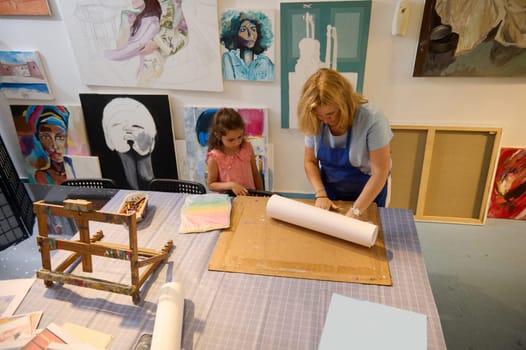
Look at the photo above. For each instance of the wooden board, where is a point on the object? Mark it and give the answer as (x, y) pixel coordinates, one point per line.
(258, 244)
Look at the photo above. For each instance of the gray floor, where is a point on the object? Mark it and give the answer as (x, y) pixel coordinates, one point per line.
(477, 273)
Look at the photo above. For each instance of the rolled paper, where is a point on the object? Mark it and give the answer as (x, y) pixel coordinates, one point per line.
(168, 326)
(320, 220)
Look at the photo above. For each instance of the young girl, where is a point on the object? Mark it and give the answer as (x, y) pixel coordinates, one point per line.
(230, 159)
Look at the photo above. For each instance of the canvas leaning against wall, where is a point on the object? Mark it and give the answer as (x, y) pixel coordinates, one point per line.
(320, 35)
(472, 39)
(49, 136)
(247, 43)
(133, 137)
(170, 44)
(22, 76)
(508, 197)
(197, 122)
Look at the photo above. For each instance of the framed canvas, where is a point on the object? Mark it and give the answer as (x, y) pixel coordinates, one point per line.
(472, 39)
(508, 197)
(170, 44)
(48, 136)
(22, 76)
(247, 44)
(320, 35)
(132, 135)
(197, 122)
(24, 8)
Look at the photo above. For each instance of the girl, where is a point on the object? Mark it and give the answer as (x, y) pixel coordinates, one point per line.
(230, 158)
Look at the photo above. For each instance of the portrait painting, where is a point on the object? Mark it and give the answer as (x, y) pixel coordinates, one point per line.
(197, 123)
(508, 197)
(22, 76)
(472, 39)
(163, 44)
(247, 44)
(24, 8)
(318, 35)
(132, 136)
(49, 135)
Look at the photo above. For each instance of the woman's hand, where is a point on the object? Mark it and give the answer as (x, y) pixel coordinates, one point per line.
(325, 203)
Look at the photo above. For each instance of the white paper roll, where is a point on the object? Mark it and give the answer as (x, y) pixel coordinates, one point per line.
(324, 221)
(168, 327)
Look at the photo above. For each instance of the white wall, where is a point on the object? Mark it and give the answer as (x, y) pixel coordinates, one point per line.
(388, 83)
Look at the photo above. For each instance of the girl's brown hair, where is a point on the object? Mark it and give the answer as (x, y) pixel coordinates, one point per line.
(327, 87)
(225, 119)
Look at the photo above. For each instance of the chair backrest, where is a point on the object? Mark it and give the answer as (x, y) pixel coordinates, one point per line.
(91, 183)
(174, 185)
(253, 193)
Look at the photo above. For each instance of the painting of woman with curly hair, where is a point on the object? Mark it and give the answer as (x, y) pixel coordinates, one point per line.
(247, 38)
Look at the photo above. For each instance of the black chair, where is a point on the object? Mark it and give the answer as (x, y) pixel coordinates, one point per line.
(253, 193)
(90, 183)
(174, 185)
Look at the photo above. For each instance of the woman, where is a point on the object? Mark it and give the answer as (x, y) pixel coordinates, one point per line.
(246, 36)
(347, 154)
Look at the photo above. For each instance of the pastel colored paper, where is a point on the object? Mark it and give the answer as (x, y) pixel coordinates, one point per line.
(201, 213)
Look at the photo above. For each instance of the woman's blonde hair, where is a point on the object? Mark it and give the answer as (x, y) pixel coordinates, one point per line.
(327, 87)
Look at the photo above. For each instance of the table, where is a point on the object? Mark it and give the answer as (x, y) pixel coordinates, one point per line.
(229, 310)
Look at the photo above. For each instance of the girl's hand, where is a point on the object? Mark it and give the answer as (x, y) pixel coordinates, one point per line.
(325, 203)
(238, 189)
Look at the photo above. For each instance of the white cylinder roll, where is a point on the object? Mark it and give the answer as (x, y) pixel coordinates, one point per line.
(324, 221)
(168, 327)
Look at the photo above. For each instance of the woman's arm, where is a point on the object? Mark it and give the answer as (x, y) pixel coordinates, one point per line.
(312, 170)
(380, 165)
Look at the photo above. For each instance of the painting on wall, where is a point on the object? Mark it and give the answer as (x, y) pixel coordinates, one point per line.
(132, 136)
(166, 44)
(49, 135)
(22, 76)
(320, 35)
(24, 8)
(508, 197)
(197, 122)
(247, 38)
(472, 39)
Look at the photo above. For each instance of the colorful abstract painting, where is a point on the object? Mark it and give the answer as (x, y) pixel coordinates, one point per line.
(48, 135)
(197, 121)
(508, 197)
(22, 76)
(247, 44)
(132, 136)
(24, 8)
(166, 44)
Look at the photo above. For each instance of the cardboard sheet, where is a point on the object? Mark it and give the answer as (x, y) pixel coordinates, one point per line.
(258, 244)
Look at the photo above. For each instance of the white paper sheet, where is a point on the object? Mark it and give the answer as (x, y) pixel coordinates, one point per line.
(324, 221)
(168, 326)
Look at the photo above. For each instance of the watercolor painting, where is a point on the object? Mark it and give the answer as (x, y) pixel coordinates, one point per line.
(320, 35)
(508, 197)
(24, 8)
(22, 76)
(132, 136)
(247, 39)
(472, 39)
(48, 135)
(162, 44)
(197, 122)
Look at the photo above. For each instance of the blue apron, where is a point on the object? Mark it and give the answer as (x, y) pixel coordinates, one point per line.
(341, 179)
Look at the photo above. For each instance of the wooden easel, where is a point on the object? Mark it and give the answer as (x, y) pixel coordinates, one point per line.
(84, 248)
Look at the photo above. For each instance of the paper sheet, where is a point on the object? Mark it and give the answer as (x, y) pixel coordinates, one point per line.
(324, 221)
(168, 327)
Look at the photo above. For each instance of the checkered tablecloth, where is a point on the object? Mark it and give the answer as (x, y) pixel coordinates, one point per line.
(228, 310)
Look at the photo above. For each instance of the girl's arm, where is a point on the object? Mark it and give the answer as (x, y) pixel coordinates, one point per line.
(255, 173)
(215, 185)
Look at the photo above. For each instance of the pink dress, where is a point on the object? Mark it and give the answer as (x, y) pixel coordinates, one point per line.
(235, 167)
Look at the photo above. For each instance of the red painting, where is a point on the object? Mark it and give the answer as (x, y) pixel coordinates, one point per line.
(508, 197)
